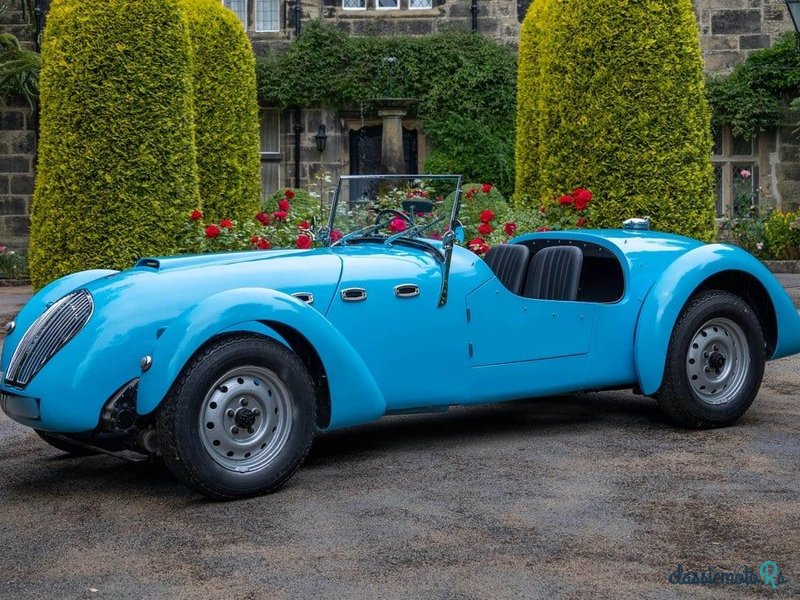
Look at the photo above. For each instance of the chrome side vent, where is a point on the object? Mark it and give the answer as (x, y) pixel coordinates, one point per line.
(49, 333)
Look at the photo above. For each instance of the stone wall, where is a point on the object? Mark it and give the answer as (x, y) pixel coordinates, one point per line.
(17, 151)
(731, 29)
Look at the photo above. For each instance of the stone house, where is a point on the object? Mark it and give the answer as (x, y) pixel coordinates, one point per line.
(730, 29)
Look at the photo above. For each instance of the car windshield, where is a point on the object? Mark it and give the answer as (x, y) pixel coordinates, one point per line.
(390, 207)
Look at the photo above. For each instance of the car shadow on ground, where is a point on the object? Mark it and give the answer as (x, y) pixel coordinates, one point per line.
(53, 475)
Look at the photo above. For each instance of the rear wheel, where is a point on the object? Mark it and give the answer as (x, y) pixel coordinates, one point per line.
(715, 362)
(240, 419)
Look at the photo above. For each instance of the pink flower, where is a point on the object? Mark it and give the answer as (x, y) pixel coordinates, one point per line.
(745, 174)
(397, 225)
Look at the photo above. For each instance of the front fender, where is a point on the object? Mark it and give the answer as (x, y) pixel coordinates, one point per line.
(355, 396)
(669, 294)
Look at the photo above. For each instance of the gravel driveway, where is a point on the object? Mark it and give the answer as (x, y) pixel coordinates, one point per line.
(580, 496)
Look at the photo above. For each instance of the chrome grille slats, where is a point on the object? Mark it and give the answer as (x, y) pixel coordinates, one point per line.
(47, 335)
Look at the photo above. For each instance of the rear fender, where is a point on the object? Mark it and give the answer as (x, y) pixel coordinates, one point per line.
(666, 299)
(355, 397)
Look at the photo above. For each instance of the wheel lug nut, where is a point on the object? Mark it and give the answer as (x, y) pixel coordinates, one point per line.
(256, 411)
(234, 430)
(243, 401)
(230, 412)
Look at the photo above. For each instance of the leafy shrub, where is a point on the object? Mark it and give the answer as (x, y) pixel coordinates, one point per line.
(12, 264)
(226, 111)
(19, 70)
(303, 203)
(781, 239)
(117, 172)
(465, 84)
(612, 95)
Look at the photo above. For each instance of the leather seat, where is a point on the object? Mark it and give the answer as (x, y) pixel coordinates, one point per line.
(554, 273)
(508, 262)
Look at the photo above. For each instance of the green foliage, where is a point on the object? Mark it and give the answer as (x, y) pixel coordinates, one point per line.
(117, 173)
(303, 203)
(751, 98)
(612, 97)
(465, 84)
(781, 239)
(226, 111)
(19, 70)
(12, 264)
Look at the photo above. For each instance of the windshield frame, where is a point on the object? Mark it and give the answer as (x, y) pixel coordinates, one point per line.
(457, 179)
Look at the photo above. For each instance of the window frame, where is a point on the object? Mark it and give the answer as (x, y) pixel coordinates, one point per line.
(420, 7)
(246, 21)
(277, 20)
(379, 7)
(729, 164)
(273, 157)
(364, 7)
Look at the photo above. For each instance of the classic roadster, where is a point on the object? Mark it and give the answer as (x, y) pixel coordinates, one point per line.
(227, 365)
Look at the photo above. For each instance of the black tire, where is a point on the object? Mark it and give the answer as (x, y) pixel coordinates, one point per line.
(713, 315)
(65, 445)
(185, 445)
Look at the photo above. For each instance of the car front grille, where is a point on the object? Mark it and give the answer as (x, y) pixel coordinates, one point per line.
(49, 333)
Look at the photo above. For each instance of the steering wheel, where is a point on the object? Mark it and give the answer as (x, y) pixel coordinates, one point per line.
(394, 213)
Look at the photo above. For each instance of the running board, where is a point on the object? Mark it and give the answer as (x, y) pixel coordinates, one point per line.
(124, 455)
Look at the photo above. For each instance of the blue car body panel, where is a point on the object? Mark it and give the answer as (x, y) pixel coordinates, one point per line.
(387, 353)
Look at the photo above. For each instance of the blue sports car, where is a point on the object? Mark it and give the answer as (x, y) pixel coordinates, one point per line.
(226, 365)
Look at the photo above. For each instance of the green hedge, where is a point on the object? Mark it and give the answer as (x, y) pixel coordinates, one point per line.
(226, 111)
(116, 174)
(612, 98)
(465, 84)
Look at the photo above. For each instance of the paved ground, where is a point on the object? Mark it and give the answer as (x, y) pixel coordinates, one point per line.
(581, 496)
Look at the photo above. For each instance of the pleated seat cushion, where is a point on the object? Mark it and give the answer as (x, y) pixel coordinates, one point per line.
(554, 273)
(509, 262)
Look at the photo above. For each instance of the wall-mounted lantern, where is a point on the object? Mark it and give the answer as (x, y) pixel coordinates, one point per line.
(321, 138)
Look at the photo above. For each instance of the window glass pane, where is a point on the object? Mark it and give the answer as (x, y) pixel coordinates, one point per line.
(267, 15)
(718, 189)
(270, 130)
(239, 7)
(718, 148)
(743, 146)
(270, 178)
(359, 4)
(420, 4)
(745, 188)
(388, 3)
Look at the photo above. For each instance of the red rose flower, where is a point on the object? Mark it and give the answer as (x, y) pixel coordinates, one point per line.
(397, 225)
(479, 246)
(544, 229)
(212, 231)
(289, 193)
(254, 240)
(510, 229)
(566, 199)
(262, 218)
(485, 229)
(196, 215)
(263, 244)
(487, 216)
(487, 187)
(284, 205)
(226, 223)
(303, 242)
(471, 193)
(582, 198)
(581, 222)
(279, 215)
(304, 225)
(336, 235)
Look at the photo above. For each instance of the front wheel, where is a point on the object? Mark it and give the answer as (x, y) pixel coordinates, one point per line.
(715, 362)
(240, 419)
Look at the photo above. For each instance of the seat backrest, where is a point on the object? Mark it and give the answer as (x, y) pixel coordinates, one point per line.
(554, 273)
(508, 262)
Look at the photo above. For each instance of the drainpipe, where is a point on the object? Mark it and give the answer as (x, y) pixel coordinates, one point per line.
(474, 11)
(298, 128)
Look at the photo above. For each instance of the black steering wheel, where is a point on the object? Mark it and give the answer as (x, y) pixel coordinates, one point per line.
(394, 213)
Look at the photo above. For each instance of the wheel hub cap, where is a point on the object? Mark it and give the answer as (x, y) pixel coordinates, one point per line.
(718, 361)
(246, 418)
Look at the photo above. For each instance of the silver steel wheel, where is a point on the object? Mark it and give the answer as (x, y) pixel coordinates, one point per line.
(718, 361)
(246, 418)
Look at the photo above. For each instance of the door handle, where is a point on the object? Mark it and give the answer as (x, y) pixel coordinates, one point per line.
(354, 294)
(406, 290)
